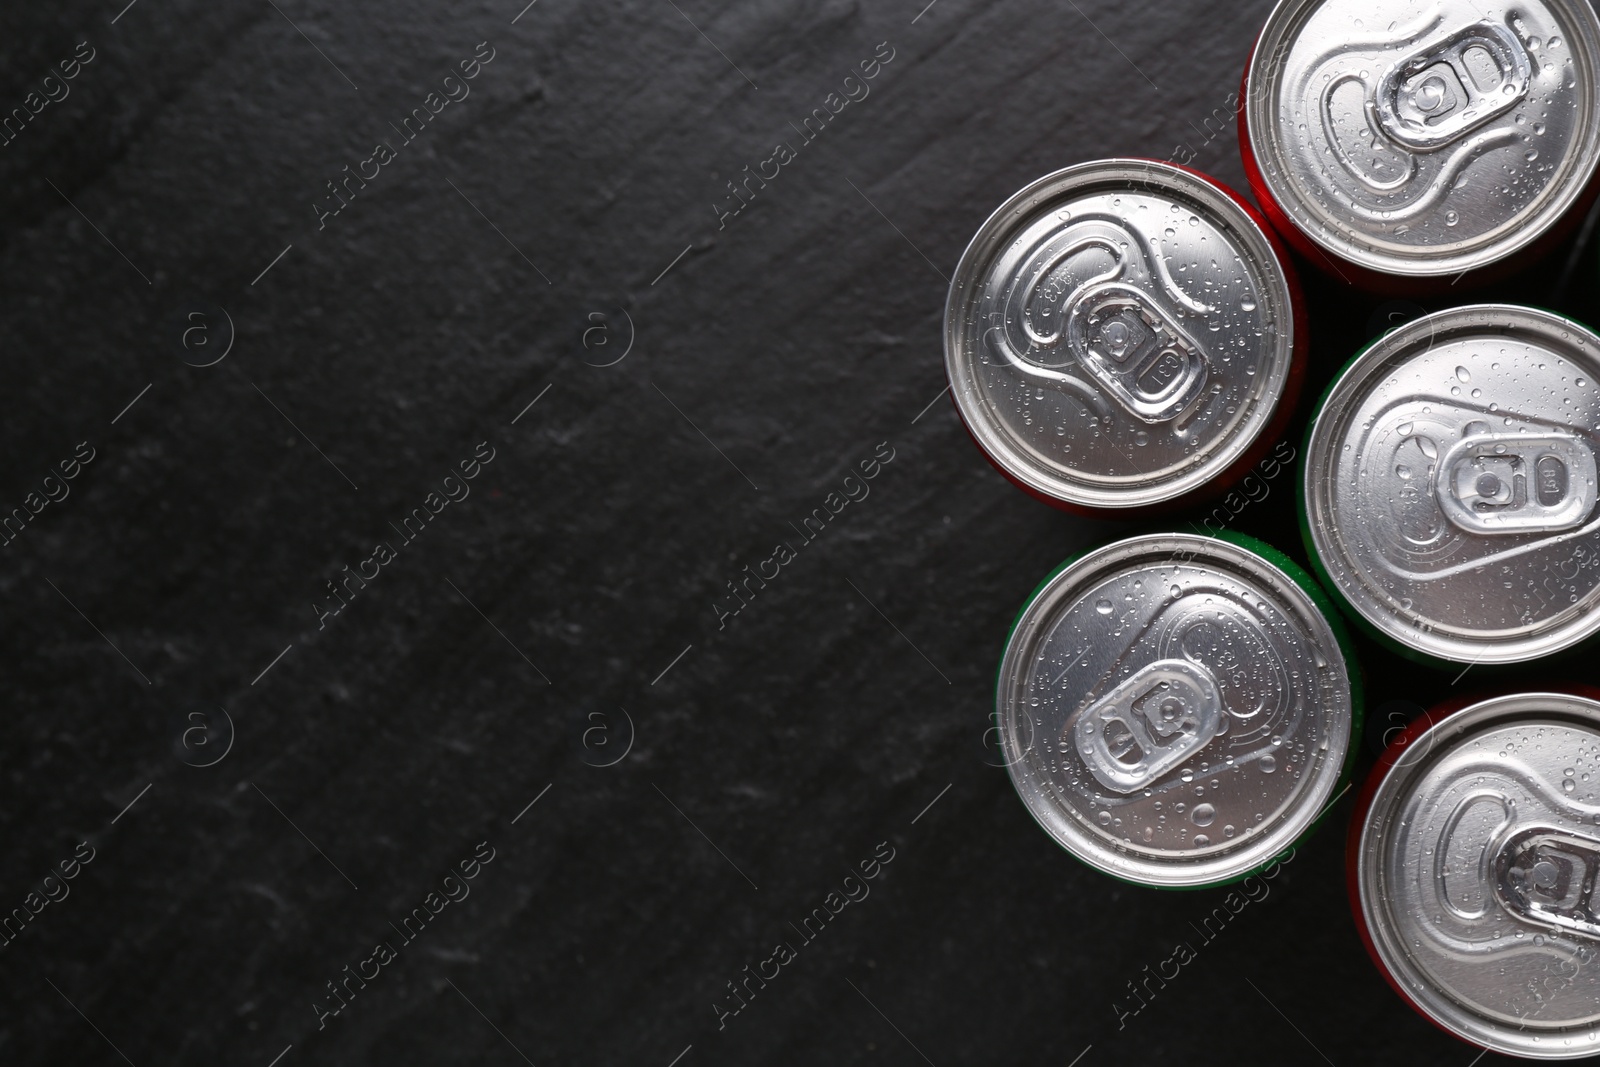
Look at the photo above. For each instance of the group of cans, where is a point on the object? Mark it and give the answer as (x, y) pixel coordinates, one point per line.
(1126, 337)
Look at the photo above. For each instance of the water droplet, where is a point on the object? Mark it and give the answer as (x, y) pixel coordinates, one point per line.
(1268, 764)
(1177, 591)
(1248, 304)
(1104, 818)
(1103, 607)
(1201, 840)
(1203, 814)
(1141, 438)
(1568, 785)
(1463, 375)
(1403, 471)
(1405, 428)
(1451, 218)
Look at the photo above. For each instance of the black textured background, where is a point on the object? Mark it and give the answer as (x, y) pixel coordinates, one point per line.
(527, 635)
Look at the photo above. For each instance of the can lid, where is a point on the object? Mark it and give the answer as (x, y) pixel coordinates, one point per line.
(1426, 139)
(1477, 874)
(1118, 334)
(1174, 710)
(1451, 491)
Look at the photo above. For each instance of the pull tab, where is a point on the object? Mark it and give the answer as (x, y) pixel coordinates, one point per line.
(1159, 717)
(1114, 324)
(1446, 90)
(1144, 361)
(1546, 877)
(1517, 483)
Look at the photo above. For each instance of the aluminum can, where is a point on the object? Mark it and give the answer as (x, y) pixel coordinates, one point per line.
(1123, 333)
(1405, 141)
(1473, 857)
(1177, 710)
(1449, 493)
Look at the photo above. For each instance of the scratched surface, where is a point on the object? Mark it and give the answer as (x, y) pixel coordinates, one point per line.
(452, 305)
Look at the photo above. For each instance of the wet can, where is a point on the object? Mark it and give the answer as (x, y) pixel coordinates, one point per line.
(1403, 145)
(1176, 710)
(1124, 333)
(1449, 496)
(1473, 857)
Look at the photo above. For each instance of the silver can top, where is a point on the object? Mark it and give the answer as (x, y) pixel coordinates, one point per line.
(1426, 138)
(1451, 484)
(1477, 874)
(1174, 710)
(1118, 334)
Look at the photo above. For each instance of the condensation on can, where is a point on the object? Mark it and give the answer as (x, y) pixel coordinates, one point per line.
(1450, 490)
(1124, 333)
(1473, 856)
(1423, 141)
(1177, 710)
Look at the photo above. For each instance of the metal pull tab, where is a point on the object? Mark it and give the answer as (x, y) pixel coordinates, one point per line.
(1546, 877)
(1147, 363)
(1115, 324)
(1517, 483)
(1159, 717)
(1446, 90)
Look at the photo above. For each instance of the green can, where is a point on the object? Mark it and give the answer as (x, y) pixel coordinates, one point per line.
(1177, 710)
(1449, 492)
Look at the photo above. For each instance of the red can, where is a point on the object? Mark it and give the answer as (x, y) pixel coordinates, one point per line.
(1125, 334)
(1473, 856)
(1414, 146)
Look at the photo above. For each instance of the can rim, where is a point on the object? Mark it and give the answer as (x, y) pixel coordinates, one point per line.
(1274, 574)
(1226, 209)
(1386, 784)
(1276, 38)
(1328, 427)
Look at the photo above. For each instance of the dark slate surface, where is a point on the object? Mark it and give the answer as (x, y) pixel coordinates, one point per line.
(163, 616)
